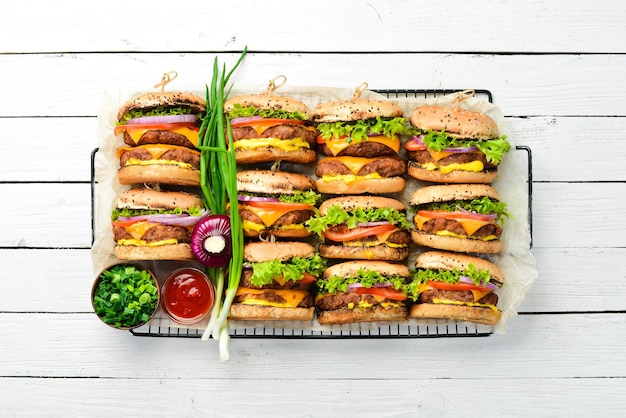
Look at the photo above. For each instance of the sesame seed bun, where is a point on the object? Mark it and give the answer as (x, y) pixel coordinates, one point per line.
(258, 252)
(349, 203)
(268, 101)
(355, 109)
(158, 173)
(165, 98)
(274, 182)
(445, 193)
(350, 268)
(456, 176)
(443, 260)
(385, 185)
(144, 198)
(459, 122)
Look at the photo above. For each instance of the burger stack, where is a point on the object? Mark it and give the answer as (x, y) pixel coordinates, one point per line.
(458, 213)
(362, 229)
(279, 267)
(154, 219)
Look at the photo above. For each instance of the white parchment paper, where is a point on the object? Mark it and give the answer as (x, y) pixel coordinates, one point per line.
(516, 258)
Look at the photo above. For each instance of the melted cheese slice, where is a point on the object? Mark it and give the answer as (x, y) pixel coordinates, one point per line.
(350, 178)
(142, 243)
(380, 239)
(469, 225)
(336, 145)
(474, 166)
(190, 133)
(268, 216)
(354, 164)
(286, 145)
(292, 297)
(139, 229)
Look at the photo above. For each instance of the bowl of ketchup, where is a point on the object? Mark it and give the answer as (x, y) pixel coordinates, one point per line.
(187, 295)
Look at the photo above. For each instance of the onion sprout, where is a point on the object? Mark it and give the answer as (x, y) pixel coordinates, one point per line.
(218, 182)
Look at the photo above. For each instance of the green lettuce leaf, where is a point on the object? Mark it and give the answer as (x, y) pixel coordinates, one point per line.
(240, 111)
(127, 213)
(483, 205)
(156, 111)
(309, 197)
(367, 278)
(293, 269)
(337, 216)
(421, 276)
(494, 149)
(359, 130)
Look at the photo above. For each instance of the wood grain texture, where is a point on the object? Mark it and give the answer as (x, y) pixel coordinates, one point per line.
(376, 25)
(523, 85)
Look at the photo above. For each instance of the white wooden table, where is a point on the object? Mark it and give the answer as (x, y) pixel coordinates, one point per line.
(556, 69)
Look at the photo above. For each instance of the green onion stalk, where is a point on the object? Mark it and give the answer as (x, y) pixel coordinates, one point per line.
(218, 182)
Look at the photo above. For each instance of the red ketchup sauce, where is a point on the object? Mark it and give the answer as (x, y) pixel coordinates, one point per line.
(187, 296)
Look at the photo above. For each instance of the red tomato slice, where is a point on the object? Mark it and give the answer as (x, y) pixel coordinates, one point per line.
(279, 205)
(321, 140)
(342, 233)
(267, 122)
(413, 146)
(457, 286)
(307, 278)
(455, 215)
(387, 292)
(126, 223)
(155, 127)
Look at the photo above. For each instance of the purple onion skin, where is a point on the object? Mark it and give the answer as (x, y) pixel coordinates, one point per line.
(212, 225)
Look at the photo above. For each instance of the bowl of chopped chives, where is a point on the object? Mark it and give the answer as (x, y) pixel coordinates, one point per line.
(125, 295)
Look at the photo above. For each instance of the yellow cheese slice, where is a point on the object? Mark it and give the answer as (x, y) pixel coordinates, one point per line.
(469, 225)
(286, 145)
(292, 297)
(474, 166)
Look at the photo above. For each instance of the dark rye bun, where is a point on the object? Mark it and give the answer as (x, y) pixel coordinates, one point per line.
(272, 182)
(164, 98)
(355, 109)
(384, 185)
(456, 176)
(268, 101)
(442, 260)
(265, 154)
(157, 173)
(163, 252)
(144, 198)
(349, 203)
(243, 312)
(350, 268)
(258, 252)
(456, 121)
(375, 314)
(445, 193)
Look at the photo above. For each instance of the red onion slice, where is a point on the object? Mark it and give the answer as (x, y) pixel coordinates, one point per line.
(467, 280)
(353, 286)
(377, 223)
(158, 120)
(245, 119)
(245, 198)
(168, 219)
(211, 241)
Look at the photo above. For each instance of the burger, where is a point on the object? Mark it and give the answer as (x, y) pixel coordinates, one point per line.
(268, 128)
(276, 282)
(276, 203)
(455, 286)
(454, 145)
(459, 217)
(360, 140)
(155, 225)
(362, 227)
(161, 131)
(362, 291)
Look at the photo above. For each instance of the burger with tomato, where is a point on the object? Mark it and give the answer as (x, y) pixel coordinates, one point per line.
(459, 217)
(454, 145)
(455, 286)
(160, 130)
(365, 227)
(359, 138)
(155, 225)
(362, 291)
(276, 203)
(268, 128)
(276, 282)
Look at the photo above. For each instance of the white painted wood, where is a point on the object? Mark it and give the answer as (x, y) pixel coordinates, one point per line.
(210, 397)
(564, 148)
(79, 345)
(522, 85)
(363, 26)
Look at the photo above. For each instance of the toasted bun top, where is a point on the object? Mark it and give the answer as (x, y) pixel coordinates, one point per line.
(273, 182)
(461, 122)
(446, 193)
(349, 203)
(443, 260)
(163, 98)
(350, 268)
(258, 252)
(268, 101)
(355, 109)
(142, 198)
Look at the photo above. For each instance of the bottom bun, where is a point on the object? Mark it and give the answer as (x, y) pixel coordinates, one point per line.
(456, 176)
(346, 316)
(269, 154)
(158, 173)
(462, 245)
(279, 233)
(243, 312)
(162, 252)
(377, 186)
(485, 316)
(377, 252)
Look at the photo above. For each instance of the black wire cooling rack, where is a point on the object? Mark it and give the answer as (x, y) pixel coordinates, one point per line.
(423, 329)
